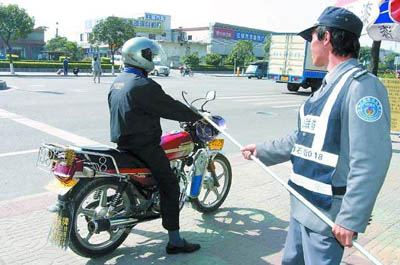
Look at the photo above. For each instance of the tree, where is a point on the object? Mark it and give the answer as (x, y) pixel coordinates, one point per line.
(267, 46)
(113, 31)
(365, 55)
(389, 60)
(243, 50)
(213, 59)
(15, 24)
(192, 60)
(62, 45)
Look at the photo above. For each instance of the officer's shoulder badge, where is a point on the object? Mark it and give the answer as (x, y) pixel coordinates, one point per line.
(360, 73)
(369, 109)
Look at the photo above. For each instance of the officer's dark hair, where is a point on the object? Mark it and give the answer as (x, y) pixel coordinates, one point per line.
(344, 43)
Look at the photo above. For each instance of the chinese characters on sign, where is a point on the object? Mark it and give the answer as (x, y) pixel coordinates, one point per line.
(223, 33)
(393, 87)
(249, 36)
(155, 17)
(152, 23)
(237, 35)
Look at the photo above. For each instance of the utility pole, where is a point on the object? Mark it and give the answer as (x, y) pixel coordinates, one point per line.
(56, 29)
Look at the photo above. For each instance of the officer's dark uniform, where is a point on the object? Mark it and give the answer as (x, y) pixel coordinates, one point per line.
(136, 105)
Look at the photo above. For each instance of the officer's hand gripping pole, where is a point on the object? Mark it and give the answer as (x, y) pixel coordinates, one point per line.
(315, 210)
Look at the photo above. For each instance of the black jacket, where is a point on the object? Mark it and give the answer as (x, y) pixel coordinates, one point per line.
(136, 105)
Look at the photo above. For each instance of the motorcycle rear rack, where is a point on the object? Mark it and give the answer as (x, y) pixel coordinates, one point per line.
(49, 152)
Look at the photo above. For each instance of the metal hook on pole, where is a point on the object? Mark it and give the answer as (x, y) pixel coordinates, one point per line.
(314, 209)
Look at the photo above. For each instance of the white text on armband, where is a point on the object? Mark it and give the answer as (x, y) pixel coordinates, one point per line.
(309, 124)
(320, 157)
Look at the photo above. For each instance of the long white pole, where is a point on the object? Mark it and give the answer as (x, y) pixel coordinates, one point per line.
(314, 209)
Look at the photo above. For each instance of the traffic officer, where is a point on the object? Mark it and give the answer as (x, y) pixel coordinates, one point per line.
(136, 105)
(341, 150)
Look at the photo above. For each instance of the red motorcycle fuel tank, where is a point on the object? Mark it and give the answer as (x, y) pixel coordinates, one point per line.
(177, 144)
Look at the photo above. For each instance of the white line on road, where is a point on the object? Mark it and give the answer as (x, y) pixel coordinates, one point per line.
(73, 138)
(286, 106)
(274, 103)
(243, 97)
(19, 153)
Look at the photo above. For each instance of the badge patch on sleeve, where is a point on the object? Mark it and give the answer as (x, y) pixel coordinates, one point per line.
(369, 109)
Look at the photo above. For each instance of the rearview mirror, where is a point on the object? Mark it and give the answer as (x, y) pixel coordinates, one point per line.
(210, 95)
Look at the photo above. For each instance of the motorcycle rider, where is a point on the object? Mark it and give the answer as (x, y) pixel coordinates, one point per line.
(136, 104)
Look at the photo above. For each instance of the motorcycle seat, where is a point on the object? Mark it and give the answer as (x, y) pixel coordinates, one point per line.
(123, 158)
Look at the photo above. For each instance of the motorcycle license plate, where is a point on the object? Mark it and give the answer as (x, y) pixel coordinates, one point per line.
(59, 187)
(216, 144)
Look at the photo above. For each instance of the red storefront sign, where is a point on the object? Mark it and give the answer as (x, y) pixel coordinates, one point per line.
(224, 33)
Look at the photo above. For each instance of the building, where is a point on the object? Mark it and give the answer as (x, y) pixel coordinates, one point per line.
(216, 38)
(152, 26)
(220, 38)
(28, 48)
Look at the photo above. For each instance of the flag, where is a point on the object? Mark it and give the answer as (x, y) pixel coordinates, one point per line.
(381, 18)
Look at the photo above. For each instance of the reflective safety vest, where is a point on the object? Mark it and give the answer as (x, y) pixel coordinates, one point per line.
(316, 152)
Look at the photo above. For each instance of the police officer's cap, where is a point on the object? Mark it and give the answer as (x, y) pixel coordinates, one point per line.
(336, 17)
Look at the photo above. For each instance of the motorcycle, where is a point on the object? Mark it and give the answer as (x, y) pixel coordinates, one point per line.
(186, 71)
(103, 192)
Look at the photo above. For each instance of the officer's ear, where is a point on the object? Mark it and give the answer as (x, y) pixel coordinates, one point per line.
(327, 38)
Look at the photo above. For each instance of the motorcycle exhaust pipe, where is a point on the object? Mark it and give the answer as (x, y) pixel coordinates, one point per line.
(100, 225)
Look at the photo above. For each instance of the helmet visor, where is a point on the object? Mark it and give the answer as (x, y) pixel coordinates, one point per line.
(159, 56)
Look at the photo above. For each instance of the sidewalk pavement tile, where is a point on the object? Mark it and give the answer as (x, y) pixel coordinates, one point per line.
(249, 228)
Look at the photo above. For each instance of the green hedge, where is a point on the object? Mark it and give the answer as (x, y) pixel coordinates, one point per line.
(23, 64)
(206, 67)
(14, 57)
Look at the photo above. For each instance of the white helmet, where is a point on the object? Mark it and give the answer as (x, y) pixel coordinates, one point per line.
(142, 52)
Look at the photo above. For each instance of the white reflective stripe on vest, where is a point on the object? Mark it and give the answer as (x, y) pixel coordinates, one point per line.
(321, 157)
(311, 185)
(322, 126)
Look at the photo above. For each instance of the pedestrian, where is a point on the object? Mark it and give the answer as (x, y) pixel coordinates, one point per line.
(136, 105)
(65, 64)
(341, 150)
(96, 69)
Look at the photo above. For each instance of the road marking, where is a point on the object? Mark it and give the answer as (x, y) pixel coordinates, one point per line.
(286, 106)
(276, 102)
(243, 97)
(73, 138)
(19, 153)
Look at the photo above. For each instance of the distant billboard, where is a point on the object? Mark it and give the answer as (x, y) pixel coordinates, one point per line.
(237, 35)
(224, 33)
(249, 36)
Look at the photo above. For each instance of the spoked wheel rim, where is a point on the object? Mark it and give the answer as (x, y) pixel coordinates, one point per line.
(95, 206)
(210, 195)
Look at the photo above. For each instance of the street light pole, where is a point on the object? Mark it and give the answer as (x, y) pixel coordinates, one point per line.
(56, 29)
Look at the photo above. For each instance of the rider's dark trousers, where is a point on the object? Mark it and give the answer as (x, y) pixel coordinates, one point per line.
(156, 160)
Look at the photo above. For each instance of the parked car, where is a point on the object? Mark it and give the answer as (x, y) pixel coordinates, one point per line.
(257, 69)
(160, 70)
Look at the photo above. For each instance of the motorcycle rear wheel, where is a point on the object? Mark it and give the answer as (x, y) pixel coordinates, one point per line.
(92, 202)
(211, 197)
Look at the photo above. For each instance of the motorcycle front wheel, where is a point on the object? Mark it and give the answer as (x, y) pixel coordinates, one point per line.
(216, 185)
(92, 202)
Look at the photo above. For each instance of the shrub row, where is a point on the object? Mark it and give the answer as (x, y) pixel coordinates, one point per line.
(205, 67)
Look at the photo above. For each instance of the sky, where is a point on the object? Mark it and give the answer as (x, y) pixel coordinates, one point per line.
(273, 15)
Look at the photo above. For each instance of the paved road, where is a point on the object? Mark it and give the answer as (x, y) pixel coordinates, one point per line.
(249, 228)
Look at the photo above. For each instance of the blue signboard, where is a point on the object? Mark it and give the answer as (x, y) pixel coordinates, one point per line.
(156, 17)
(239, 35)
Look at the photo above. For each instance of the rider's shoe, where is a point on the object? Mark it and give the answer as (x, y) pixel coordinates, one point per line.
(186, 248)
